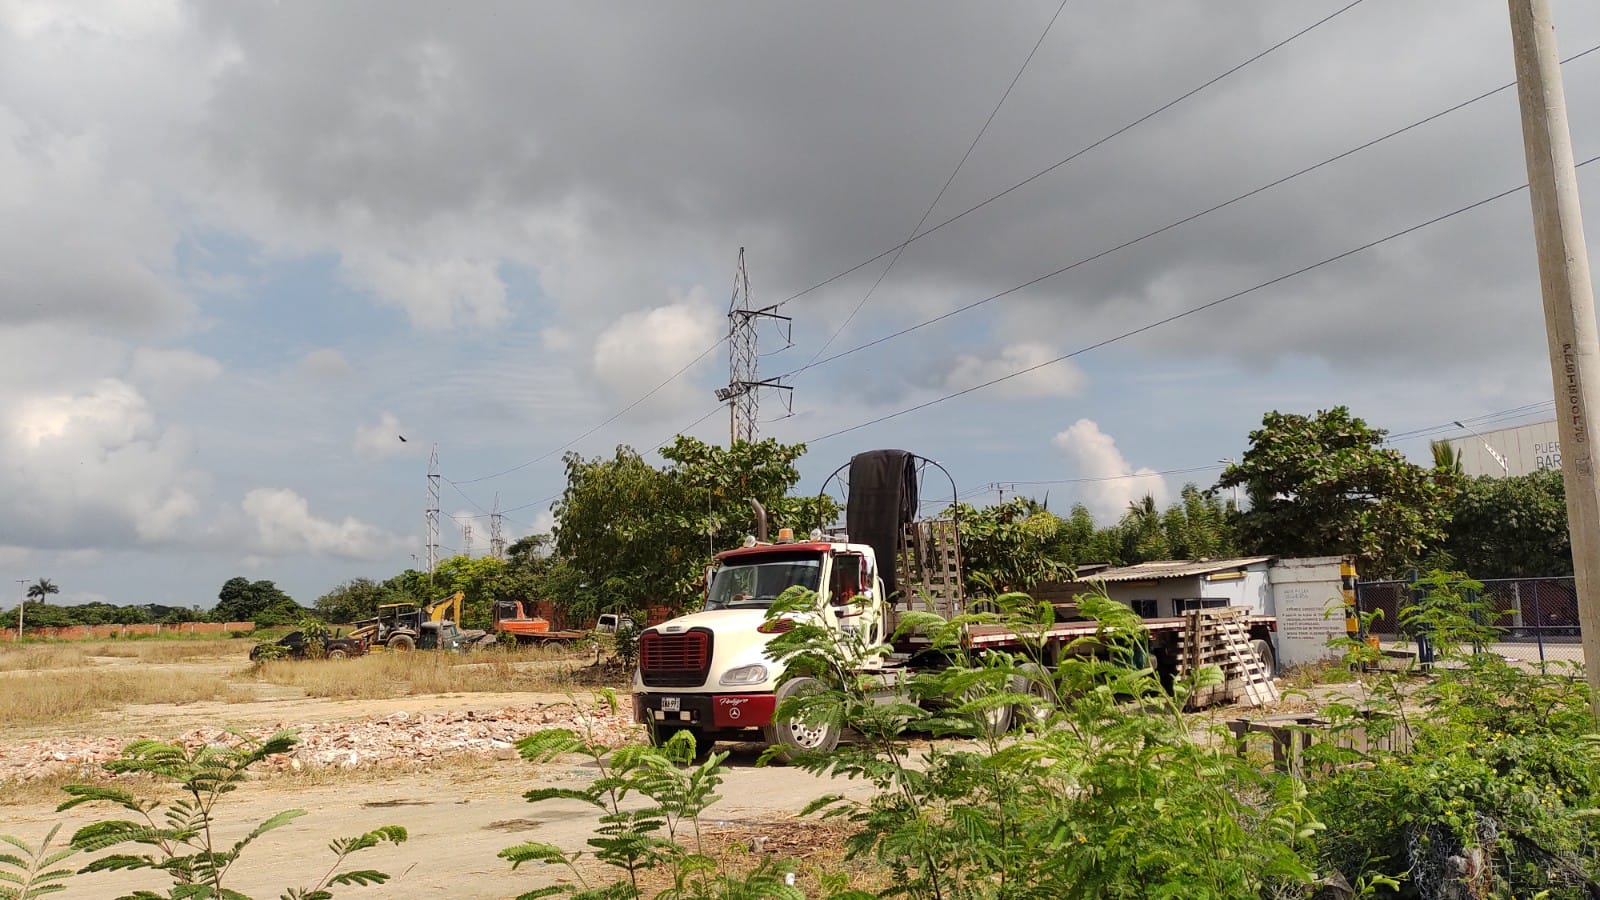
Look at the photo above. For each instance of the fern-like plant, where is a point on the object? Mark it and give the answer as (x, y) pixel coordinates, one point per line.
(633, 837)
(179, 836)
(31, 874)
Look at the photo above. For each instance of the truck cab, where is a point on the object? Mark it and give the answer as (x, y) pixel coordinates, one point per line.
(709, 672)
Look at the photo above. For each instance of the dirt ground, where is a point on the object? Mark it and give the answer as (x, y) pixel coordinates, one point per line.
(461, 805)
(440, 765)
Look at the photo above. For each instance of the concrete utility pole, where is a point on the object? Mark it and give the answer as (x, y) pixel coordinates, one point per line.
(1568, 301)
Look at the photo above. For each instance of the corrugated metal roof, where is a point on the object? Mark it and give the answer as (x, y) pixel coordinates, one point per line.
(1174, 568)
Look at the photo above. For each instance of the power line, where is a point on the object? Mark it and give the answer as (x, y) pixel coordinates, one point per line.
(612, 418)
(1165, 228)
(947, 182)
(1051, 168)
(1181, 315)
(921, 234)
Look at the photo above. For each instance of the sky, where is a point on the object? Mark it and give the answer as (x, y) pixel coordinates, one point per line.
(247, 247)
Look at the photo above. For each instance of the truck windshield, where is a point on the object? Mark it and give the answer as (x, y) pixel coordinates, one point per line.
(754, 585)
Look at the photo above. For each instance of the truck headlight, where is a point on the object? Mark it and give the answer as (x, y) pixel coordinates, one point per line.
(745, 675)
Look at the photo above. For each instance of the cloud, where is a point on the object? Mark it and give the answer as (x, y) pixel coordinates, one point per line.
(380, 440)
(1062, 379)
(171, 370)
(642, 349)
(94, 468)
(326, 364)
(1092, 453)
(435, 293)
(283, 525)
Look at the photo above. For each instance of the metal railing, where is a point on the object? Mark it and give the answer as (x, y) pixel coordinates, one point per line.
(1537, 617)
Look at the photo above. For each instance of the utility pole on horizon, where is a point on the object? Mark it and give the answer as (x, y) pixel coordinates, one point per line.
(1568, 302)
(22, 604)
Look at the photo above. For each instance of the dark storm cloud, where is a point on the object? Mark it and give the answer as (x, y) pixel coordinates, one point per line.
(817, 134)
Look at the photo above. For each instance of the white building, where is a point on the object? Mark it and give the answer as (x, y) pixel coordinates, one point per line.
(1523, 450)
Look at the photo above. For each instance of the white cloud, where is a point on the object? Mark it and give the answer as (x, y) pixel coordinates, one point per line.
(1093, 454)
(171, 370)
(435, 293)
(94, 467)
(1062, 379)
(380, 440)
(285, 526)
(643, 349)
(326, 364)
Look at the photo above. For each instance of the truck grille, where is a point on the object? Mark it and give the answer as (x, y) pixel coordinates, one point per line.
(675, 660)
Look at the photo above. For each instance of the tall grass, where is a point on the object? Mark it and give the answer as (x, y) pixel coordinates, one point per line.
(69, 694)
(38, 657)
(31, 657)
(399, 674)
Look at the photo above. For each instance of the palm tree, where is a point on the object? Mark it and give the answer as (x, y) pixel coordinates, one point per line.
(43, 589)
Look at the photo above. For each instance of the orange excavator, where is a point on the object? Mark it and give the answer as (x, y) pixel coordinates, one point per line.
(512, 622)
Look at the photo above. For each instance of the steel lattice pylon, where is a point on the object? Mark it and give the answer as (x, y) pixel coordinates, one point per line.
(743, 393)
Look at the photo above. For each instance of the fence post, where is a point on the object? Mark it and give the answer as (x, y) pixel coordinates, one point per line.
(1538, 627)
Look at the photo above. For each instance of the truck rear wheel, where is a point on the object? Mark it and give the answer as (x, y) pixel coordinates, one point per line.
(1269, 661)
(1033, 680)
(794, 735)
(337, 653)
(402, 642)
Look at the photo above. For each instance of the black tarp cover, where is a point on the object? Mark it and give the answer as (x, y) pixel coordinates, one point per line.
(883, 498)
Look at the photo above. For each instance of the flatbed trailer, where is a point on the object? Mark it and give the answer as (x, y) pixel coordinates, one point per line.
(709, 673)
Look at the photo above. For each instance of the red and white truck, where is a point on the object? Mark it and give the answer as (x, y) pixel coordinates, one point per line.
(709, 672)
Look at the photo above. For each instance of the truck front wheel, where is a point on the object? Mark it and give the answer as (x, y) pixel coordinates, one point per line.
(794, 734)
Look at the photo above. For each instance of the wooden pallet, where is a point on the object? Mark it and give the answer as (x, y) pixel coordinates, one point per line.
(1221, 637)
(929, 568)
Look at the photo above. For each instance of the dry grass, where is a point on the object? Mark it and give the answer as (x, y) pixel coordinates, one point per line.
(384, 675)
(69, 694)
(38, 657)
(29, 657)
(811, 848)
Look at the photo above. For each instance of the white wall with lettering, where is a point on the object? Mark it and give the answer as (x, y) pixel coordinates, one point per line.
(1310, 608)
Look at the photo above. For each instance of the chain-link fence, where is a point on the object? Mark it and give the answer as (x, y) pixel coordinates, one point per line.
(1537, 617)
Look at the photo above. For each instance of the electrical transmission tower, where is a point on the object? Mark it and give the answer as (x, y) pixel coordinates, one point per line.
(743, 393)
(497, 537)
(466, 539)
(432, 514)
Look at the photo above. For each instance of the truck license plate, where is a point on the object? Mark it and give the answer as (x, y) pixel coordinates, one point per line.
(669, 704)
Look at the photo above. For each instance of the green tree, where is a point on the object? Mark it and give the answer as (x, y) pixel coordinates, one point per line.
(1145, 533)
(1198, 526)
(42, 589)
(1006, 547)
(1325, 485)
(351, 601)
(1510, 527)
(631, 535)
(261, 602)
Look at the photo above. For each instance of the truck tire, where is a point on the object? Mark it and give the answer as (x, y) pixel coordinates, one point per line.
(337, 653)
(799, 737)
(1033, 680)
(402, 642)
(995, 720)
(1269, 661)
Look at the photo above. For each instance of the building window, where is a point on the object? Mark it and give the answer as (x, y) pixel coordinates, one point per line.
(1146, 609)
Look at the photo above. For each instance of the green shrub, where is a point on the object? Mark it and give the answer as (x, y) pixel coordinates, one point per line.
(179, 837)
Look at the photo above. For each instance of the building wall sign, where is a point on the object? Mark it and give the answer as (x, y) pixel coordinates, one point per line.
(1525, 449)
